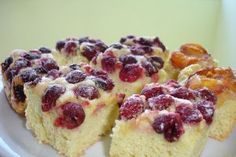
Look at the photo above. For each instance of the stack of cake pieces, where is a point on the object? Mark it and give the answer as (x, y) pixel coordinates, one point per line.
(159, 103)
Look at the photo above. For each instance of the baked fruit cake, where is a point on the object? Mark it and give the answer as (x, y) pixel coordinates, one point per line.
(222, 82)
(72, 95)
(164, 120)
(191, 56)
(22, 67)
(133, 63)
(71, 109)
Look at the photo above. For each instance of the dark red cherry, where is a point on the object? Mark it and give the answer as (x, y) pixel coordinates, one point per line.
(207, 95)
(73, 116)
(44, 50)
(54, 74)
(160, 102)
(60, 45)
(130, 72)
(75, 76)
(183, 93)
(5, 65)
(49, 64)
(50, 96)
(152, 91)
(108, 62)
(127, 59)
(189, 114)
(28, 75)
(170, 124)
(132, 107)
(207, 108)
(87, 91)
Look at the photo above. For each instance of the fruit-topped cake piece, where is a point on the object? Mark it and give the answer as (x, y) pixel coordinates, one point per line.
(189, 58)
(72, 109)
(131, 71)
(164, 120)
(221, 81)
(76, 50)
(25, 67)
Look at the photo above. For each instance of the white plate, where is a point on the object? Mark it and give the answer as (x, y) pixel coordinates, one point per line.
(17, 141)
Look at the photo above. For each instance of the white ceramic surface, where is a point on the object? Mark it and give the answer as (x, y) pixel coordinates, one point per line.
(17, 141)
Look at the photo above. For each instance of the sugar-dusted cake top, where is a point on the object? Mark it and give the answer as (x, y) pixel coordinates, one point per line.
(73, 92)
(170, 106)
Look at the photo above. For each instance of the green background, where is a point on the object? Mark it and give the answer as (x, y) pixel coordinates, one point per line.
(29, 24)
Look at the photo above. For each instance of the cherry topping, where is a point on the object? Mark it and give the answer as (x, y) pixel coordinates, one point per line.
(207, 95)
(87, 91)
(73, 116)
(104, 83)
(117, 46)
(60, 45)
(28, 75)
(152, 91)
(18, 65)
(150, 69)
(89, 52)
(98, 73)
(157, 62)
(54, 73)
(39, 70)
(71, 47)
(21, 63)
(123, 39)
(160, 102)
(141, 50)
(49, 64)
(102, 80)
(50, 96)
(32, 55)
(85, 39)
(130, 72)
(132, 107)
(127, 59)
(169, 124)
(183, 93)
(189, 114)
(75, 76)
(6, 63)
(108, 62)
(44, 50)
(158, 42)
(18, 92)
(100, 46)
(35, 82)
(144, 41)
(10, 73)
(207, 108)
